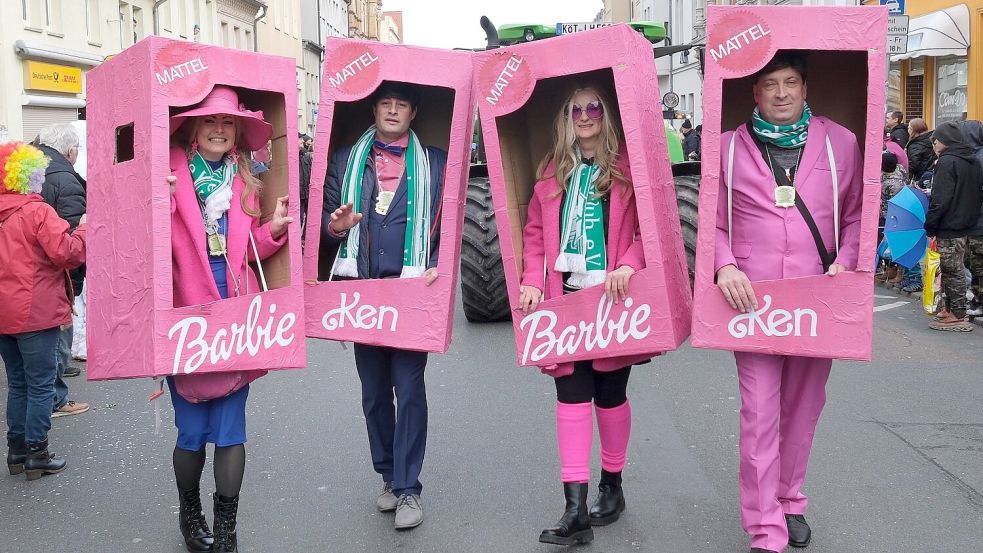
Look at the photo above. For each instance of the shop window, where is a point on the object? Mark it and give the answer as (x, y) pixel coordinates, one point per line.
(952, 77)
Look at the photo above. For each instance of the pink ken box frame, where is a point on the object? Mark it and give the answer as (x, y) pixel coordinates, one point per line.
(520, 89)
(133, 328)
(392, 312)
(814, 316)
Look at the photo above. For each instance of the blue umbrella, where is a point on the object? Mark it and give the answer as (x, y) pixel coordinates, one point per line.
(904, 226)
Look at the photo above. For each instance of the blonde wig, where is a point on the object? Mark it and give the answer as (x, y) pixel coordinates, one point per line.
(564, 153)
(253, 186)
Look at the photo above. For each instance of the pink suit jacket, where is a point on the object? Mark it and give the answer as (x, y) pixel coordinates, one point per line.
(771, 242)
(192, 275)
(541, 242)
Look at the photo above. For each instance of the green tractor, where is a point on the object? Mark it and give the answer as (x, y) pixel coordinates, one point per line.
(483, 289)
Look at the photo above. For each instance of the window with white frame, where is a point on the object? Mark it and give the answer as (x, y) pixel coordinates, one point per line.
(93, 23)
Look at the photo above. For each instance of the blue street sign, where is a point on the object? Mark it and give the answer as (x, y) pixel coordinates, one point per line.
(894, 7)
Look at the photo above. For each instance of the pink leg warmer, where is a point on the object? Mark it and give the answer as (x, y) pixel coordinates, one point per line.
(574, 434)
(614, 426)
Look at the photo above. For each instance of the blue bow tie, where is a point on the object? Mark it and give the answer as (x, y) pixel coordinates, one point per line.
(397, 150)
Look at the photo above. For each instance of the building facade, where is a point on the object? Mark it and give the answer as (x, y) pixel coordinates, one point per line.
(940, 75)
(278, 32)
(320, 20)
(48, 46)
(364, 19)
(391, 30)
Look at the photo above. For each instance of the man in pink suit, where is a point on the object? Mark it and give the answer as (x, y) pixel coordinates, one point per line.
(793, 210)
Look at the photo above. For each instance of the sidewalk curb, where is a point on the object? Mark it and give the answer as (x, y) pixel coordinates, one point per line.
(917, 296)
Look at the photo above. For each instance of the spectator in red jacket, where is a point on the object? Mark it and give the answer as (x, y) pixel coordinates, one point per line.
(36, 252)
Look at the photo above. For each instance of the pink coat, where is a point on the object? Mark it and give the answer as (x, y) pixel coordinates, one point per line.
(541, 246)
(193, 280)
(771, 242)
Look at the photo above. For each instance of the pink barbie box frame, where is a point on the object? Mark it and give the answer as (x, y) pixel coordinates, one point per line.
(815, 316)
(133, 328)
(520, 89)
(402, 313)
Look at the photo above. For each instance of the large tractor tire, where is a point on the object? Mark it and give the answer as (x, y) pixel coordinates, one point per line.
(687, 196)
(483, 289)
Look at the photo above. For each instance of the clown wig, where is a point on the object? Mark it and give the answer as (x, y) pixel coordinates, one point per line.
(21, 168)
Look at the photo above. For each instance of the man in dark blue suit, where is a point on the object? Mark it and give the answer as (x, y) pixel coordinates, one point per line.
(396, 182)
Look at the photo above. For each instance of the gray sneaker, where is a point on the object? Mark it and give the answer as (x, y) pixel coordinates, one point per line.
(409, 512)
(386, 501)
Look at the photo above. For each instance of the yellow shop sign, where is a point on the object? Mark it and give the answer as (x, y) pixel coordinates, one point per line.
(51, 77)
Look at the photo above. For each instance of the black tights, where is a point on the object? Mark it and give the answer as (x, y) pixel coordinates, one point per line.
(230, 465)
(605, 389)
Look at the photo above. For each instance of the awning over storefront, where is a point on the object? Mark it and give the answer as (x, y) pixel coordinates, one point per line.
(939, 33)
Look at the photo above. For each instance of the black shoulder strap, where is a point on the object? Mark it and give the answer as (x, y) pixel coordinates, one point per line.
(824, 255)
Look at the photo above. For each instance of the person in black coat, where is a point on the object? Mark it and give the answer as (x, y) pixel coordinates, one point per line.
(306, 160)
(64, 190)
(957, 194)
(898, 131)
(691, 141)
(921, 155)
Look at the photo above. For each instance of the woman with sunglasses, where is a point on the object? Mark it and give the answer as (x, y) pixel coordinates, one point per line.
(580, 232)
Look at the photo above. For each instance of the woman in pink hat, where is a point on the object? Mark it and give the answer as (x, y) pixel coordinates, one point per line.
(215, 228)
(582, 231)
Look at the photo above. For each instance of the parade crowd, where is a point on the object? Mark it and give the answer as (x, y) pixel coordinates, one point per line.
(382, 213)
(946, 165)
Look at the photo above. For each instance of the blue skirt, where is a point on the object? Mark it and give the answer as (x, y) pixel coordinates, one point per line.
(221, 421)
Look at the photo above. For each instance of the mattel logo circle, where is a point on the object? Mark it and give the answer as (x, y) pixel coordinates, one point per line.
(353, 69)
(504, 82)
(740, 43)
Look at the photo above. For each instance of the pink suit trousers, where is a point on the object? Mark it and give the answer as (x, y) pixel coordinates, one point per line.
(781, 400)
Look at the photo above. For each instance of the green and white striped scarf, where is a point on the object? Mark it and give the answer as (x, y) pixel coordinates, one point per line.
(783, 136)
(213, 186)
(416, 244)
(582, 249)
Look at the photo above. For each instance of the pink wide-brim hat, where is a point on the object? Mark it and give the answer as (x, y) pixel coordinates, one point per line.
(223, 100)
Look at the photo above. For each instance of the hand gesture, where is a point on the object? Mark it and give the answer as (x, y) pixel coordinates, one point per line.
(280, 220)
(83, 218)
(344, 218)
(616, 283)
(835, 269)
(529, 298)
(431, 275)
(736, 287)
(172, 182)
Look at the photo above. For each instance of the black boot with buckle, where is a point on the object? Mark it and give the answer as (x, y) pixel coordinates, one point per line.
(610, 502)
(39, 462)
(574, 526)
(194, 527)
(225, 524)
(16, 455)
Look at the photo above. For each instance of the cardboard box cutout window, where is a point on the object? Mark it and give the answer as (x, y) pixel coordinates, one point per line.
(800, 311)
(140, 322)
(520, 90)
(348, 304)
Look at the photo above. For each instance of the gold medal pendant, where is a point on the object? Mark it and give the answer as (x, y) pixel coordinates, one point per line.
(784, 196)
(383, 201)
(216, 244)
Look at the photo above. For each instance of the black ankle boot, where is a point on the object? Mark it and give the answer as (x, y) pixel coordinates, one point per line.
(16, 455)
(39, 462)
(225, 524)
(574, 525)
(194, 528)
(610, 502)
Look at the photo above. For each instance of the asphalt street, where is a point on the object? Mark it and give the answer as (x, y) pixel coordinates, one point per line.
(897, 464)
